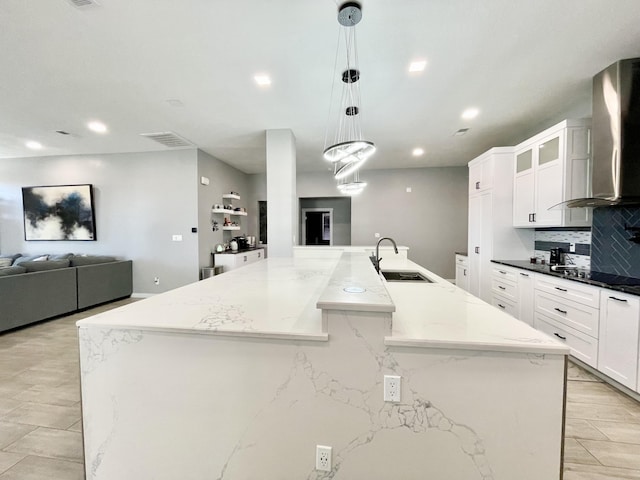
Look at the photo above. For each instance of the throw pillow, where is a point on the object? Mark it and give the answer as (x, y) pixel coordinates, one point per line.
(30, 258)
(5, 262)
(61, 256)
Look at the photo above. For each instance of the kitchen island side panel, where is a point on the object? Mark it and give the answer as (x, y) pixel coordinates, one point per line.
(192, 406)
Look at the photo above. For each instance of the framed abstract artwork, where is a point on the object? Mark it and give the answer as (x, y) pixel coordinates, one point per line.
(59, 212)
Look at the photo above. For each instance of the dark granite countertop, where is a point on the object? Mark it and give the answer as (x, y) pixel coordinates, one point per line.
(240, 250)
(538, 268)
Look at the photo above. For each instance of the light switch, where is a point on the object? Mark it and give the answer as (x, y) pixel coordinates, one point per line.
(176, 238)
(204, 180)
(377, 235)
(408, 189)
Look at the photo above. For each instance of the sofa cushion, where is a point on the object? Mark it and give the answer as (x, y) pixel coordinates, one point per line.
(5, 271)
(30, 258)
(41, 265)
(80, 260)
(5, 262)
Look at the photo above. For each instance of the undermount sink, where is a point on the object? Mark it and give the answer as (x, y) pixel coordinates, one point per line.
(404, 276)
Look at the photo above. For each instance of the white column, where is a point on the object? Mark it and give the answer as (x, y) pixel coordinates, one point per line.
(282, 205)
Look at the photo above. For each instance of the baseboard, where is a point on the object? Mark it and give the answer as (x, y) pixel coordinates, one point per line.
(142, 295)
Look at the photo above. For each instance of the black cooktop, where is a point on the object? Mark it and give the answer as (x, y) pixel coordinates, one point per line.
(611, 279)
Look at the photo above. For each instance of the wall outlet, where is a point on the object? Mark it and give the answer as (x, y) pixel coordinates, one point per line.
(323, 458)
(156, 280)
(176, 238)
(572, 247)
(392, 384)
(376, 235)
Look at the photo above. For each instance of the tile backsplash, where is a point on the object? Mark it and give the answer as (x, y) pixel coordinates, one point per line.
(548, 238)
(612, 250)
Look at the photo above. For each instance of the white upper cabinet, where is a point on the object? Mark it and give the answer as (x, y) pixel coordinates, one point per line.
(550, 168)
(481, 176)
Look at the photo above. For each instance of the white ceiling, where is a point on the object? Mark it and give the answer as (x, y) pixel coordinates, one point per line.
(525, 64)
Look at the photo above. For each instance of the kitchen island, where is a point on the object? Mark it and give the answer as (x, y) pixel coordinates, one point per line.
(240, 376)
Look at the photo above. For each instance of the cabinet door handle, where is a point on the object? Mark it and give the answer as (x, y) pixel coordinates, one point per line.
(560, 336)
(524, 274)
(245, 258)
(465, 272)
(501, 306)
(501, 287)
(561, 311)
(259, 254)
(477, 249)
(477, 185)
(618, 299)
(531, 218)
(561, 289)
(502, 272)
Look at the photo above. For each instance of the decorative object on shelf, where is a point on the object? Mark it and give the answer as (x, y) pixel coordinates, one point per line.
(215, 225)
(349, 149)
(59, 212)
(219, 248)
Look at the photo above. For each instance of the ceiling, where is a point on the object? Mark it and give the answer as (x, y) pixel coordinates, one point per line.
(524, 64)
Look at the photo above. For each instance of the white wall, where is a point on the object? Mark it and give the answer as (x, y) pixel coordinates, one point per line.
(431, 220)
(141, 200)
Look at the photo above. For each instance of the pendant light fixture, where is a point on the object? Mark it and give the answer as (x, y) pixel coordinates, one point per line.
(348, 150)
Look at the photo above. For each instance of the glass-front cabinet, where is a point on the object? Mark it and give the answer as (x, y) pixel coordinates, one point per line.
(551, 168)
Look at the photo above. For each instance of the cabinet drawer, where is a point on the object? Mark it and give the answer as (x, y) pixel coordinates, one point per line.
(582, 346)
(462, 260)
(572, 314)
(505, 274)
(507, 306)
(577, 292)
(504, 289)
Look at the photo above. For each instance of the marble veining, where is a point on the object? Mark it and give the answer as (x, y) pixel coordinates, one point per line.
(97, 345)
(416, 413)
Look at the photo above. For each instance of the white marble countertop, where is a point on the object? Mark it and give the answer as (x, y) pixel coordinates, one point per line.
(441, 315)
(355, 286)
(273, 298)
(283, 298)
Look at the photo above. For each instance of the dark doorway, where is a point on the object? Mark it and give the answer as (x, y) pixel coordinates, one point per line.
(317, 227)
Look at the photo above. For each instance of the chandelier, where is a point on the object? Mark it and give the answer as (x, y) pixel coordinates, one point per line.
(348, 150)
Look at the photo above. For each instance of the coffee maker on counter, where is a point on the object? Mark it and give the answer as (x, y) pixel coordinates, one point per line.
(242, 242)
(556, 256)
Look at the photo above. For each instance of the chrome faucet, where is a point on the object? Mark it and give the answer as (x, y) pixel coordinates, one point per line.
(378, 259)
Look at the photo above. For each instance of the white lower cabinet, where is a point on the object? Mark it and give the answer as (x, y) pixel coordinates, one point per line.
(569, 311)
(512, 292)
(599, 325)
(505, 305)
(525, 297)
(618, 341)
(462, 272)
(582, 346)
(230, 261)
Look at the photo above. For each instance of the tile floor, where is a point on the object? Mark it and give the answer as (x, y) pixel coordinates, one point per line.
(40, 426)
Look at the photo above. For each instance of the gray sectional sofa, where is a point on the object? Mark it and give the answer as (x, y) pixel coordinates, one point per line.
(44, 286)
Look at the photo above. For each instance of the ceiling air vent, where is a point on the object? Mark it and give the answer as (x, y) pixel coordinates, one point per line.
(84, 3)
(168, 139)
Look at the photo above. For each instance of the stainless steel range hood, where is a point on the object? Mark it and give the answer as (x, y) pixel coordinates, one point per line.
(615, 171)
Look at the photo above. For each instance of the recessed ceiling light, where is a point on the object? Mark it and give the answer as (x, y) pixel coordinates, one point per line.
(33, 145)
(417, 66)
(97, 127)
(470, 113)
(417, 152)
(262, 80)
(174, 102)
